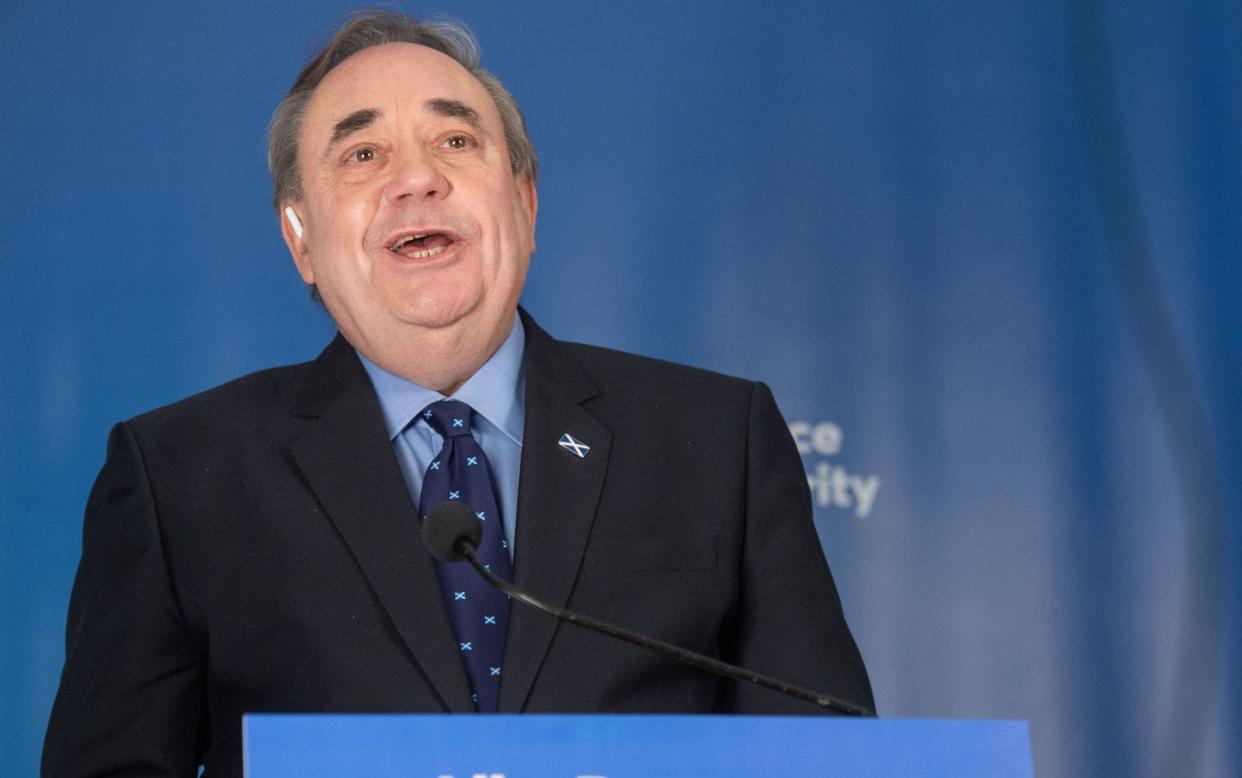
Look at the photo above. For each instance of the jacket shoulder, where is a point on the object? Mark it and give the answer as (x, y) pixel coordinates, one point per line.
(611, 369)
(244, 401)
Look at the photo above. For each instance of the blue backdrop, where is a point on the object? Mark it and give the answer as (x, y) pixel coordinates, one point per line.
(985, 252)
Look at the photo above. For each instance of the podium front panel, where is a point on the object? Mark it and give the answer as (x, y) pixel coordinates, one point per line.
(628, 746)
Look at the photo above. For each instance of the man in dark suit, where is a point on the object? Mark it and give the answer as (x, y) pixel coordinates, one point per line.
(256, 547)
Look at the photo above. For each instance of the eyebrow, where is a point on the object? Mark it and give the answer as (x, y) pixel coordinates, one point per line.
(455, 109)
(352, 123)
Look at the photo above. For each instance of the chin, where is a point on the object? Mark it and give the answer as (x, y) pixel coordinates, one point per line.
(436, 312)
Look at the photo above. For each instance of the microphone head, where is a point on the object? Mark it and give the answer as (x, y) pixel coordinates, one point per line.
(446, 526)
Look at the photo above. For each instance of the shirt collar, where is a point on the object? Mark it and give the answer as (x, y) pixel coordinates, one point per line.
(497, 391)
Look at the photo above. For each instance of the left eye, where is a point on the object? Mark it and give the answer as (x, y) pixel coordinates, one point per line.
(457, 142)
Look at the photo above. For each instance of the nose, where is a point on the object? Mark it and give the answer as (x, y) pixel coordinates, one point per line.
(416, 174)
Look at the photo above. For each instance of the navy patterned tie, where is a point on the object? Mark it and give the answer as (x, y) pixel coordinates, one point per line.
(479, 613)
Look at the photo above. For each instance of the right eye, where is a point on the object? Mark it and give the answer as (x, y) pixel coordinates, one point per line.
(364, 154)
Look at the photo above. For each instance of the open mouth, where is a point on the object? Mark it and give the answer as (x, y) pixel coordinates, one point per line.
(421, 245)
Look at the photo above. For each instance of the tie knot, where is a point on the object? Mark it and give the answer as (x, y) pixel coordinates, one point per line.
(450, 418)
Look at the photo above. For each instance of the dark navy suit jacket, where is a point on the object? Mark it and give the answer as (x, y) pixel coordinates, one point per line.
(254, 548)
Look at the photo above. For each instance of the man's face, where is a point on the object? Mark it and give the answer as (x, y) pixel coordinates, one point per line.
(413, 220)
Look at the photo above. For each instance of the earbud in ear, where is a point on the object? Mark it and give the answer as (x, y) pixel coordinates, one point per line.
(294, 222)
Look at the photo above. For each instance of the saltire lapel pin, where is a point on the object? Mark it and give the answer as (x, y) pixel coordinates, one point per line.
(574, 446)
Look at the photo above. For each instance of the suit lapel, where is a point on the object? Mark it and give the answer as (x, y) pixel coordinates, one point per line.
(347, 460)
(557, 501)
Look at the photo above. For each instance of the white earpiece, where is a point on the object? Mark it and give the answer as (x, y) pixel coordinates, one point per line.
(292, 216)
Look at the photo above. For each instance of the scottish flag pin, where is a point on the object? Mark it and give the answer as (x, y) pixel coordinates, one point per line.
(574, 446)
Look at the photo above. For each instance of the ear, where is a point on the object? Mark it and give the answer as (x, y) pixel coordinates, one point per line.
(291, 229)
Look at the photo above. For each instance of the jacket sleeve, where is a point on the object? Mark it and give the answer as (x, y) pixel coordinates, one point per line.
(788, 622)
(131, 697)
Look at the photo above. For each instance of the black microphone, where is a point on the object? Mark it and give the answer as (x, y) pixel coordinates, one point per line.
(451, 533)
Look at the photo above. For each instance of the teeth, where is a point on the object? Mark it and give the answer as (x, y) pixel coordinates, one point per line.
(406, 240)
(427, 253)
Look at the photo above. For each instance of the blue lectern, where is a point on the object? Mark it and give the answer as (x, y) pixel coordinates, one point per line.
(615, 746)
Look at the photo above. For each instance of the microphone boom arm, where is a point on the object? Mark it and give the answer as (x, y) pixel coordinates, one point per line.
(689, 657)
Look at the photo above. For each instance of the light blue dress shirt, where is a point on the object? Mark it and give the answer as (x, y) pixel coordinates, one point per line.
(497, 393)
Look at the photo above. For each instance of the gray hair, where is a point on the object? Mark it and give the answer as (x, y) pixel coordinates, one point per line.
(375, 28)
